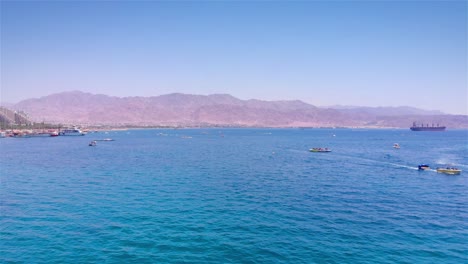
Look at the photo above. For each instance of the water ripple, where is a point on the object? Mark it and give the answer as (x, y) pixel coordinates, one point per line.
(252, 196)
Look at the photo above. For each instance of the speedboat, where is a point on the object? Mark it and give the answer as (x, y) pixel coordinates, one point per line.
(449, 170)
(92, 143)
(396, 145)
(423, 167)
(320, 150)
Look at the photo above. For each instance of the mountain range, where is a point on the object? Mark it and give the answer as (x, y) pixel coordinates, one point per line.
(218, 110)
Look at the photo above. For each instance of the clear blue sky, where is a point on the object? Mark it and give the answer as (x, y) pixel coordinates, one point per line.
(384, 53)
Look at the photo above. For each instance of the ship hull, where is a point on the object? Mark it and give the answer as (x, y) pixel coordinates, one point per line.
(427, 128)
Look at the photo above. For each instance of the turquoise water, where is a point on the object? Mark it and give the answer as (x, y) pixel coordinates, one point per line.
(235, 196)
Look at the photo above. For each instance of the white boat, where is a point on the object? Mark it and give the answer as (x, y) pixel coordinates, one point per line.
(449, 170)
(2, 134)
(396, 145)
(320, 150)
(71, 132)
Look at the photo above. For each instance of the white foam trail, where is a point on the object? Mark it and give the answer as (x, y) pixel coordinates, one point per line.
(383, 162)
(378, 161)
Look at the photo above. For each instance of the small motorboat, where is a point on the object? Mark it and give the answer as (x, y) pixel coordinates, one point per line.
(423, 167)
(449, 170)
(396, 145)
(320, 150)
(92, 143)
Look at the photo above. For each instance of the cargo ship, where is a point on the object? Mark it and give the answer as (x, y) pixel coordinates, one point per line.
(415, 127)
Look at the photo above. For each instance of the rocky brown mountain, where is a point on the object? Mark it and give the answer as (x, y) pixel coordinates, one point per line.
(211, 110)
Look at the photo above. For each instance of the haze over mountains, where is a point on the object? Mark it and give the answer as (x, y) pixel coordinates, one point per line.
(218, 110)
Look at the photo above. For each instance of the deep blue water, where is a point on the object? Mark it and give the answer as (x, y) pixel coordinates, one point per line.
(235, 196)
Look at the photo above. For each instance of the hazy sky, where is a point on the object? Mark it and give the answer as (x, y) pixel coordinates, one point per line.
(384, 53)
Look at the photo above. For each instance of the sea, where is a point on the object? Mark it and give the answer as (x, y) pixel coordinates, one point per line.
(237, 195)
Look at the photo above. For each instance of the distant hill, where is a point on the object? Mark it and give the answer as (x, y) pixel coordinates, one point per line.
(215, 110)
(386, 111)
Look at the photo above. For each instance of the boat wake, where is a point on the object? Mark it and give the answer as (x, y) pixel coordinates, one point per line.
(376, 161)
(380, 162)
(402, 166)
